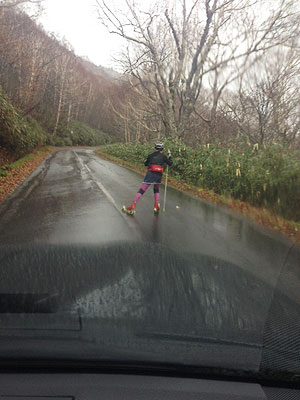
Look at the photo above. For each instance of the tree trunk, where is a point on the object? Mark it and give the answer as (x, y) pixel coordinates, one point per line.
(60, 101)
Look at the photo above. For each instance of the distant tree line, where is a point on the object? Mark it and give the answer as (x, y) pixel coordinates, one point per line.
(202, 70)
(44, 79)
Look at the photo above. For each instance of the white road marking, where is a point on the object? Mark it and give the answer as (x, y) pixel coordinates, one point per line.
(79, 159)
(87, 167)
(100, 185)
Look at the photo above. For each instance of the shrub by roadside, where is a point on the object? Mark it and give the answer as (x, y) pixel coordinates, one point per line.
(17, 134)
(6, 157)
(78, 134)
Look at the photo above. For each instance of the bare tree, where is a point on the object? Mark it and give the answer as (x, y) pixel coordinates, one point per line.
(171, 52)
(64, 70)
(267, 106)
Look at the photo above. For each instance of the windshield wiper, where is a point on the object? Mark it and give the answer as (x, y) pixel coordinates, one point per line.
(195, 339)
(263, 377)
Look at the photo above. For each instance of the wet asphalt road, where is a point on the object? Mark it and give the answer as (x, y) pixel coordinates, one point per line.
(194, 274)
(76, 197)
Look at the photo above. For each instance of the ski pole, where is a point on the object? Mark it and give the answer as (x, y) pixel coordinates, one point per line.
(166, 185)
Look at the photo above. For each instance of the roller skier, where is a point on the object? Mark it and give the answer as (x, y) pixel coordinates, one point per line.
(155, 163)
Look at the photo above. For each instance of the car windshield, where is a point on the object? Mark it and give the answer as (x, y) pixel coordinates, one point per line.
(150, 184)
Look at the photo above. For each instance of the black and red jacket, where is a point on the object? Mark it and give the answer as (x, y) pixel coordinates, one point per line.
(156, 161)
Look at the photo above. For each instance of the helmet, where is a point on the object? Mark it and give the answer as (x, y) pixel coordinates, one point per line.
(159, 146)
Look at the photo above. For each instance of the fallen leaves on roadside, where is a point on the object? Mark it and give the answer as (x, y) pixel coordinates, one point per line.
(17, 175)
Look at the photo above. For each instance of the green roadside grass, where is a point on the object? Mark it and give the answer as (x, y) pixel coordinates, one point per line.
(260, 215)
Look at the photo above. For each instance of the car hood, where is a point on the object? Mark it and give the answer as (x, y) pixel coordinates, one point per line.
(142, 301)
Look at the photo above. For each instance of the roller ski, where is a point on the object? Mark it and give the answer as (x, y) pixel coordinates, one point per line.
(156, 208)
(130, 210)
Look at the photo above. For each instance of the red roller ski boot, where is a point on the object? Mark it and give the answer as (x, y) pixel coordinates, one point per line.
(156, 207)
(130, 210)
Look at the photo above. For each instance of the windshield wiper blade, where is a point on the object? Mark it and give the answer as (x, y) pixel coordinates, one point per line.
(195, 339)
(131, 367)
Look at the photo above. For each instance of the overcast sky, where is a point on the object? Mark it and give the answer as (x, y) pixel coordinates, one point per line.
(76, 20)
